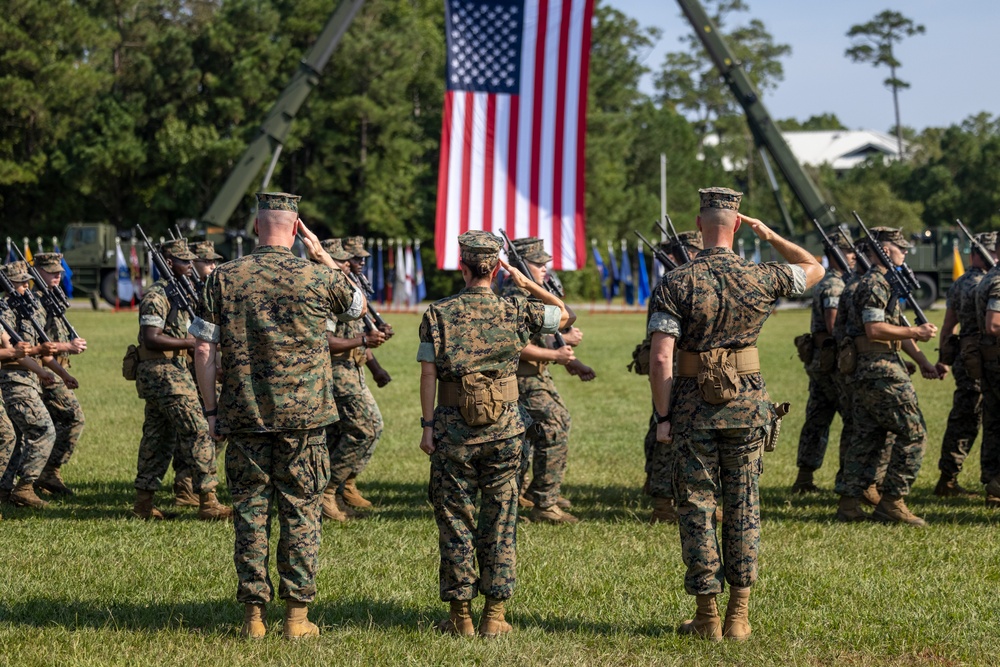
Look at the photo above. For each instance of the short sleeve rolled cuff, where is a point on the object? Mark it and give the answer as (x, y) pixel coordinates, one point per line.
(873, 315)
(798, 280)
(993, 304)
(550, 323)
(331, 326)
(831, 302)
(354, 312)
(426, 353)
(664, 323)
(152, 321)
(204, 331)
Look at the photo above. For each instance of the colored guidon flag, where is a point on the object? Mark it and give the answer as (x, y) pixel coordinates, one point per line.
(515, 111)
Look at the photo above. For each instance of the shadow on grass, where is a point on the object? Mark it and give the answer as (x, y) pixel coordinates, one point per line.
(213, 617)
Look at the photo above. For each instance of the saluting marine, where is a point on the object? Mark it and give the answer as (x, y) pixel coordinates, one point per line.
(469, 349)
(714, 409)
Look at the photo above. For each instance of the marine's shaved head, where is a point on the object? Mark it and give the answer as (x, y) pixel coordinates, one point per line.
(718, 217)
(269, 217)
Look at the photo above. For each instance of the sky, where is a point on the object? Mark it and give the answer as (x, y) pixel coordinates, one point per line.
(940, 65)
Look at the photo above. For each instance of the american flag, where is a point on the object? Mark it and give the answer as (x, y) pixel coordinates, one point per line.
(512, 141)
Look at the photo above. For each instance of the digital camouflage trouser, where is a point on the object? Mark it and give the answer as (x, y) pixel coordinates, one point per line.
(38, 435)
(825, 401)
(963, 422)
(549, 443)
(458, 474)
(882, 407)
(289, 469)
(989, 455)
(67, 417)
(353, 438)
(8, 440)
(175, 421)
(706, 469)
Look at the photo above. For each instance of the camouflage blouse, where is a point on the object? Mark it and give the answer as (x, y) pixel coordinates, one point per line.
(988, 299)
(476, 331)
(163, 377)
(12, 372)
(962, 300)
(719, 300)
(348, 377)
(874, 301)
(267, 311)
(826, 296)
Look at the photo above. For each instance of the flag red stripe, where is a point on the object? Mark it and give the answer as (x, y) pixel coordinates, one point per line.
(515, 114)
(441, 224)
(491, 121)
(557, 180)
(581, 133)
(467, 160)
(536, 126)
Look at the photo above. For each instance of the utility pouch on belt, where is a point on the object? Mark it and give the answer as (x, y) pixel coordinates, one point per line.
(359, 355)
(718, 379)
(971, 355)
(827, 346)
(528, 369)
(779, 410)
(847, 356)
(804, 347)
(949, 350)
(640, 357)
(479, 399)
(130, 363)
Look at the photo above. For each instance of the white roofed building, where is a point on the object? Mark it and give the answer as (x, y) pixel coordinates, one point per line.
(841, 149)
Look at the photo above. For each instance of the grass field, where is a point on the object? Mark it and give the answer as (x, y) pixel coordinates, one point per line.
(82, 583)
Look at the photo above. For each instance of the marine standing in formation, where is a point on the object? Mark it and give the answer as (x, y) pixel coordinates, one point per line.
(173, 415)
(469, 351)
(884, 398)
(826, 396)
(276, 402)
(988, 314)
(960, 352)
(714, 408)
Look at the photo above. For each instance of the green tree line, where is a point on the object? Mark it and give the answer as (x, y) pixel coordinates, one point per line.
(135, 111)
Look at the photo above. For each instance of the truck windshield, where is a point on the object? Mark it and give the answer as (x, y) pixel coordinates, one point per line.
(79, 236)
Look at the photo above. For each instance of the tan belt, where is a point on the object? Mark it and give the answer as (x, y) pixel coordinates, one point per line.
(865, 345)
(450, 394)
(530, 368)
(747, 361)
(149, 355)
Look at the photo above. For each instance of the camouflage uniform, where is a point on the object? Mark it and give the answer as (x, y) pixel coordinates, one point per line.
(477, 331)
(967, 404)
(267, 312)
(884, 401)
(22, 397)
(173, 414)
(353, 437)
(825, 397)
(988, 300)
(8, 441)
(719, 301)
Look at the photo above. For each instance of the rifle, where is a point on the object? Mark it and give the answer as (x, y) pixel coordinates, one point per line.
(518, 263)
(362, 282)
(53, 299)
(175, 288)
(903, 282)
(15, 337)
(832, 249)
(678, 246)
(977, 246)
(22, 305)
(662, 257)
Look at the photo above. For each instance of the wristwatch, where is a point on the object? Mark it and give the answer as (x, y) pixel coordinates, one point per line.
(210, 413)
(663, 419)
(426, 424)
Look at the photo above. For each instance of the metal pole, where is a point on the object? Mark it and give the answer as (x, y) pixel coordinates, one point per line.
(663, 194)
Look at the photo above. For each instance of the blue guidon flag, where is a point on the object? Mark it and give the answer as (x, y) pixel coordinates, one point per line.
(512, 139)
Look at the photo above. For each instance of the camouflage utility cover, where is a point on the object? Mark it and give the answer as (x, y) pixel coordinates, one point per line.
(48, 261)
(476, 331)
(719, 300)
(268, 311)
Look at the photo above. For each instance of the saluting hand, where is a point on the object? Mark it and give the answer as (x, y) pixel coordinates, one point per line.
(519, 279)
(763, 232)
(313, 247)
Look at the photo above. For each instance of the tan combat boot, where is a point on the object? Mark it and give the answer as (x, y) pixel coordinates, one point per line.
(24, 495)
(331, 510)
(143, 507)
(210, 509)
(849, 510)
(184, 495)
(663, 511)
(51, 480)
(297, 623)
(492, 624)
(871, 496)
(948, 487)
(552, 514)
(737, 624)
(564, 503)
(353, 497)
(893, 509)
(804, 482)
(524, 502)
(993, 487)
(706, 622)
(253, 622)
(459, 621)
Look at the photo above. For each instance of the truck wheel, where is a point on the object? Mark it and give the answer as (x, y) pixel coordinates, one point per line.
(109, 284)
(927, 292)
